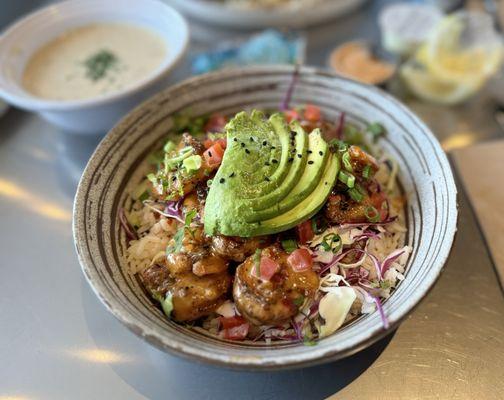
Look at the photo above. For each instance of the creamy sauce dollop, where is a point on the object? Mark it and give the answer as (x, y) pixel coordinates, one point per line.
(93, 60)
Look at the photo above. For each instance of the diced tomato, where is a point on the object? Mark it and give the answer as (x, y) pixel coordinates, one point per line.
(213, 156)
(231, 322)
(305, 232)
(237, 332)
(209, 143)
(268, 268)
(215, 123)
(291, 115)
(300, 260)
(312, 113)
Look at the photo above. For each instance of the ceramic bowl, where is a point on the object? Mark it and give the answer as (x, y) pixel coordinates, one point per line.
(425, 176)
(98, 114)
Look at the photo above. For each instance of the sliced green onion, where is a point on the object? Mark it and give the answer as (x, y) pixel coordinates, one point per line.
(331, 242)
(167, 304)
(366, 172)
(144, 196)
(169, 146)
(355, 195)
(152, 178)
(289, 245)
(298, 301)
(372, 214)
(171, 162)
(192, 163)
(377, 130)
(209, 182)
(347, 178)
(347, 162)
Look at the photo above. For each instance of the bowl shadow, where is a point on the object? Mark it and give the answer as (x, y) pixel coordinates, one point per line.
(158, 375)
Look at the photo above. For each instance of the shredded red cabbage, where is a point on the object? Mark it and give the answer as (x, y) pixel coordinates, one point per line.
(128, 229)
(371, 298)
(367, 224)
(173, 209)
(284, 106)
(387, 262)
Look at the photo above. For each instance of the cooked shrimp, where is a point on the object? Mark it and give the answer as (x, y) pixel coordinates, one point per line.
(340, 208)
(194, 297)
(272, 302)
(235, 248)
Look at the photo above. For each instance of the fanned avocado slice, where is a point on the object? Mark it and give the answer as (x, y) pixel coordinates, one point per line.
(303, 210)
(261, 177)
(297, 158)
(258, 151)
(318, 154)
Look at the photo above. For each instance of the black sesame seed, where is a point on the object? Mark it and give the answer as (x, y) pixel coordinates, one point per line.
(235, 139)
(266, 179)
(290, 159)
(242, 144)
(210, 153)
(321, 152)
(300, 155)
(273, 147)
(310, 162)
(265, 143)
(174, 178)
(274, 161)
(247, 151)
(232, 174)
(267, 164)
(325, 183)
(293, 133)
(309, 151)
(222, 180)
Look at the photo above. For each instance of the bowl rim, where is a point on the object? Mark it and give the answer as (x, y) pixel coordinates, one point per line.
(311, 358)
(35, 103)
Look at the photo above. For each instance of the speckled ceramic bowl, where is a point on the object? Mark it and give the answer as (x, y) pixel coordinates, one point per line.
(425, 176)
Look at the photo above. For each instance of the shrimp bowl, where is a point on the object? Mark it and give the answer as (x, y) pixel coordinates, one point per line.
(265, 218)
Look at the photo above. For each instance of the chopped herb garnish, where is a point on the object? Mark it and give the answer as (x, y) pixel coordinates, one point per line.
(169, 146)
(298, 301)
(144, 196)
(331, 242)
(377, 130)
(289, 245)
(209, 182)
(192, 163)
(99, 64)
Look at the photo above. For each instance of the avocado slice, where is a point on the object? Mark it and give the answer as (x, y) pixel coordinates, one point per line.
(262, 185)
(318, 154)
(303, 210)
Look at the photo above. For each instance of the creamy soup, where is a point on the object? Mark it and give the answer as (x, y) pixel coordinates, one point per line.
(93, 60)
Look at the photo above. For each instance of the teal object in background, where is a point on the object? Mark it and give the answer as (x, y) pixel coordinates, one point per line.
(266, 48)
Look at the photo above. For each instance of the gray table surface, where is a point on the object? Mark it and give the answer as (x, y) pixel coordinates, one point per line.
(58, 342)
